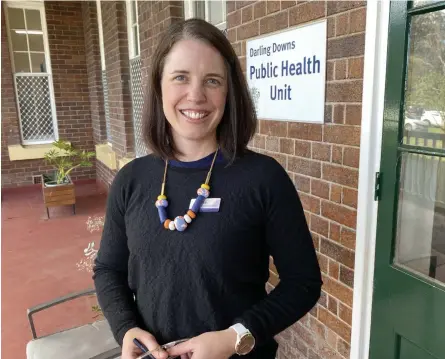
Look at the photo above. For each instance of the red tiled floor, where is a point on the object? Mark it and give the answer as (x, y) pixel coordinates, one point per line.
(39, 259)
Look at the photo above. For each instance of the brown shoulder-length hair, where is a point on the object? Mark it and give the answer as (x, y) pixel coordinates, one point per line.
(239, 120)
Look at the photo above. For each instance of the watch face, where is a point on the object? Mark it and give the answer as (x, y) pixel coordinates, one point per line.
(245, 345)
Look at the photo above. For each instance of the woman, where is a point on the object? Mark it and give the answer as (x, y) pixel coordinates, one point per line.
(171, 268)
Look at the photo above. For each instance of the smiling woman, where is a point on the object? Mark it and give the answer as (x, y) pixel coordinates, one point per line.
(202, 274)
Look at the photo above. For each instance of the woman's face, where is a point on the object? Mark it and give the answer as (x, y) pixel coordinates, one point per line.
(194, 89)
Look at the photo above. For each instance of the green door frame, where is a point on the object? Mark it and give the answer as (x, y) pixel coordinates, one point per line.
(383, 343)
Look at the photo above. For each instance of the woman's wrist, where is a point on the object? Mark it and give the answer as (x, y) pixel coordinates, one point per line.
(230, 337)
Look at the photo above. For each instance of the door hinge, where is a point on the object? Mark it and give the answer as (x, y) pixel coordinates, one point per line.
(377, 186)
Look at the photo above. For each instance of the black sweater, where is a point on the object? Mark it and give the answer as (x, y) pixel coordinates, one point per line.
(181, 284)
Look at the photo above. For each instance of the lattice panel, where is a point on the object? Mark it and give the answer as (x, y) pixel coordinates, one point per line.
(106, 104)
(34, 99)
(137, 98)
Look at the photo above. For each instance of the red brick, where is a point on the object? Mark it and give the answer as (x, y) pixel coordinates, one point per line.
(319, 225)
(339, 214)
(332, 322)
(305, 167)
(349, 91)
(353, 115)
(355, 68)
(310, 203)
(332, 305)
(334, 269)
(341, 175)
(330, 70)
(234, 19)
(279, 157)
(231, 6)
(303, 183)
(337, 154)
(273, 128)
(345, 135)
(331, 27)
(247, 30)
(335, 7)
(340, 69)
(306, 12)
(302, 149)
(358, 20)
(337, 289)
(273, 6)
(342, 24)
(287, 146)
(347, 238)
(259, 9)
(285, 4)
(339, 113)
(347, 46)
(337, 252)
(305, 131)
(241, 4)
(345, 313)
(272, 143)
(343, 348)
(260, 141)
(321, 151)
(335, 193)
(247, 14)
(350, 197)
(334, 231)
(320, 188)
(347, 276)
(275, 22)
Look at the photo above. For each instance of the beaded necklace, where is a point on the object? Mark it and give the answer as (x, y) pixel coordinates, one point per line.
(180, 223)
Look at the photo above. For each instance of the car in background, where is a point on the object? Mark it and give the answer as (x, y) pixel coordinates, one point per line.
(412, 124)
(432, 119)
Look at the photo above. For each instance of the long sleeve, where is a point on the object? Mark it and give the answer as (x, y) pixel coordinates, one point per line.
(291, 246)
(111, 265)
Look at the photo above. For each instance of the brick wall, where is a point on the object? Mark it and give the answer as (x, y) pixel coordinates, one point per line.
(67, 52)
(154, 18)
(93, 63)
(322, 160)
(118, 76)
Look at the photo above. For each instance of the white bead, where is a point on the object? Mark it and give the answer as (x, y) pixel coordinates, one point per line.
(171, 225)
(187, 218)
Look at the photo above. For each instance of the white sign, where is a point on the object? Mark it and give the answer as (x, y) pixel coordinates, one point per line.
(286, 74)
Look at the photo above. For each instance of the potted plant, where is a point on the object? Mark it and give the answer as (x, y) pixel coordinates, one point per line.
(58, 188)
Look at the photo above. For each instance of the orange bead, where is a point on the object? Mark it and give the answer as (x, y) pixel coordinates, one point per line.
(166, 223)
(191, 214)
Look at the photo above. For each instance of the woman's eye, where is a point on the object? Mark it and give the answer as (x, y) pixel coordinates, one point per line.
(213, 81)
(180, 78)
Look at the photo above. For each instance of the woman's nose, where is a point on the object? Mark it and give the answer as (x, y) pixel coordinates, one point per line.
(196, 93)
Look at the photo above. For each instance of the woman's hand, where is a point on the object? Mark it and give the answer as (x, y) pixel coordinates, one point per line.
(131, 351)
(214, 345)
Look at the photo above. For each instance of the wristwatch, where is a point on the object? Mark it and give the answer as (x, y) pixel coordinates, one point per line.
(245, 341)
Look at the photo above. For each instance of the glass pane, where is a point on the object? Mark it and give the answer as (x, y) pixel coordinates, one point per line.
(424, 2)
(425, 84)
(38, 62)
(421, 216)
(16, 18)
(18, 41)
(199, 9)
(21, 62)
(36, 43)
(33, 20)
(134, 18)
(215, 12)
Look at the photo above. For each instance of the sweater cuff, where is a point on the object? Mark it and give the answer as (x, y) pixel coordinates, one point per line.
(120, 333)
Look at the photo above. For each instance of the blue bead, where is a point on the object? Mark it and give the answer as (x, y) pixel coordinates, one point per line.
(161, 203)
(198, 203)
(180, 223)
(162, 214)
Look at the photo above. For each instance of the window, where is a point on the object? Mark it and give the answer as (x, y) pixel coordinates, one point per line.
(104, 70)
(133, 28)
(213, 11)
(28, 46)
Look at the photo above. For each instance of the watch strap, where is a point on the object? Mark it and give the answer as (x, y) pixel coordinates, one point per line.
(240, 329)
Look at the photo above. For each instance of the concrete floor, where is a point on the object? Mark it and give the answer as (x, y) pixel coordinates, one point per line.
(38, 263)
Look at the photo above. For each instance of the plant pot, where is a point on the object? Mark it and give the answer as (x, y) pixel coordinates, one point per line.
(55, 195)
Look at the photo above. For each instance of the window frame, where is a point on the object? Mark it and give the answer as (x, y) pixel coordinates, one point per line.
(133, 26)
(39, 6)
(189, 12)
